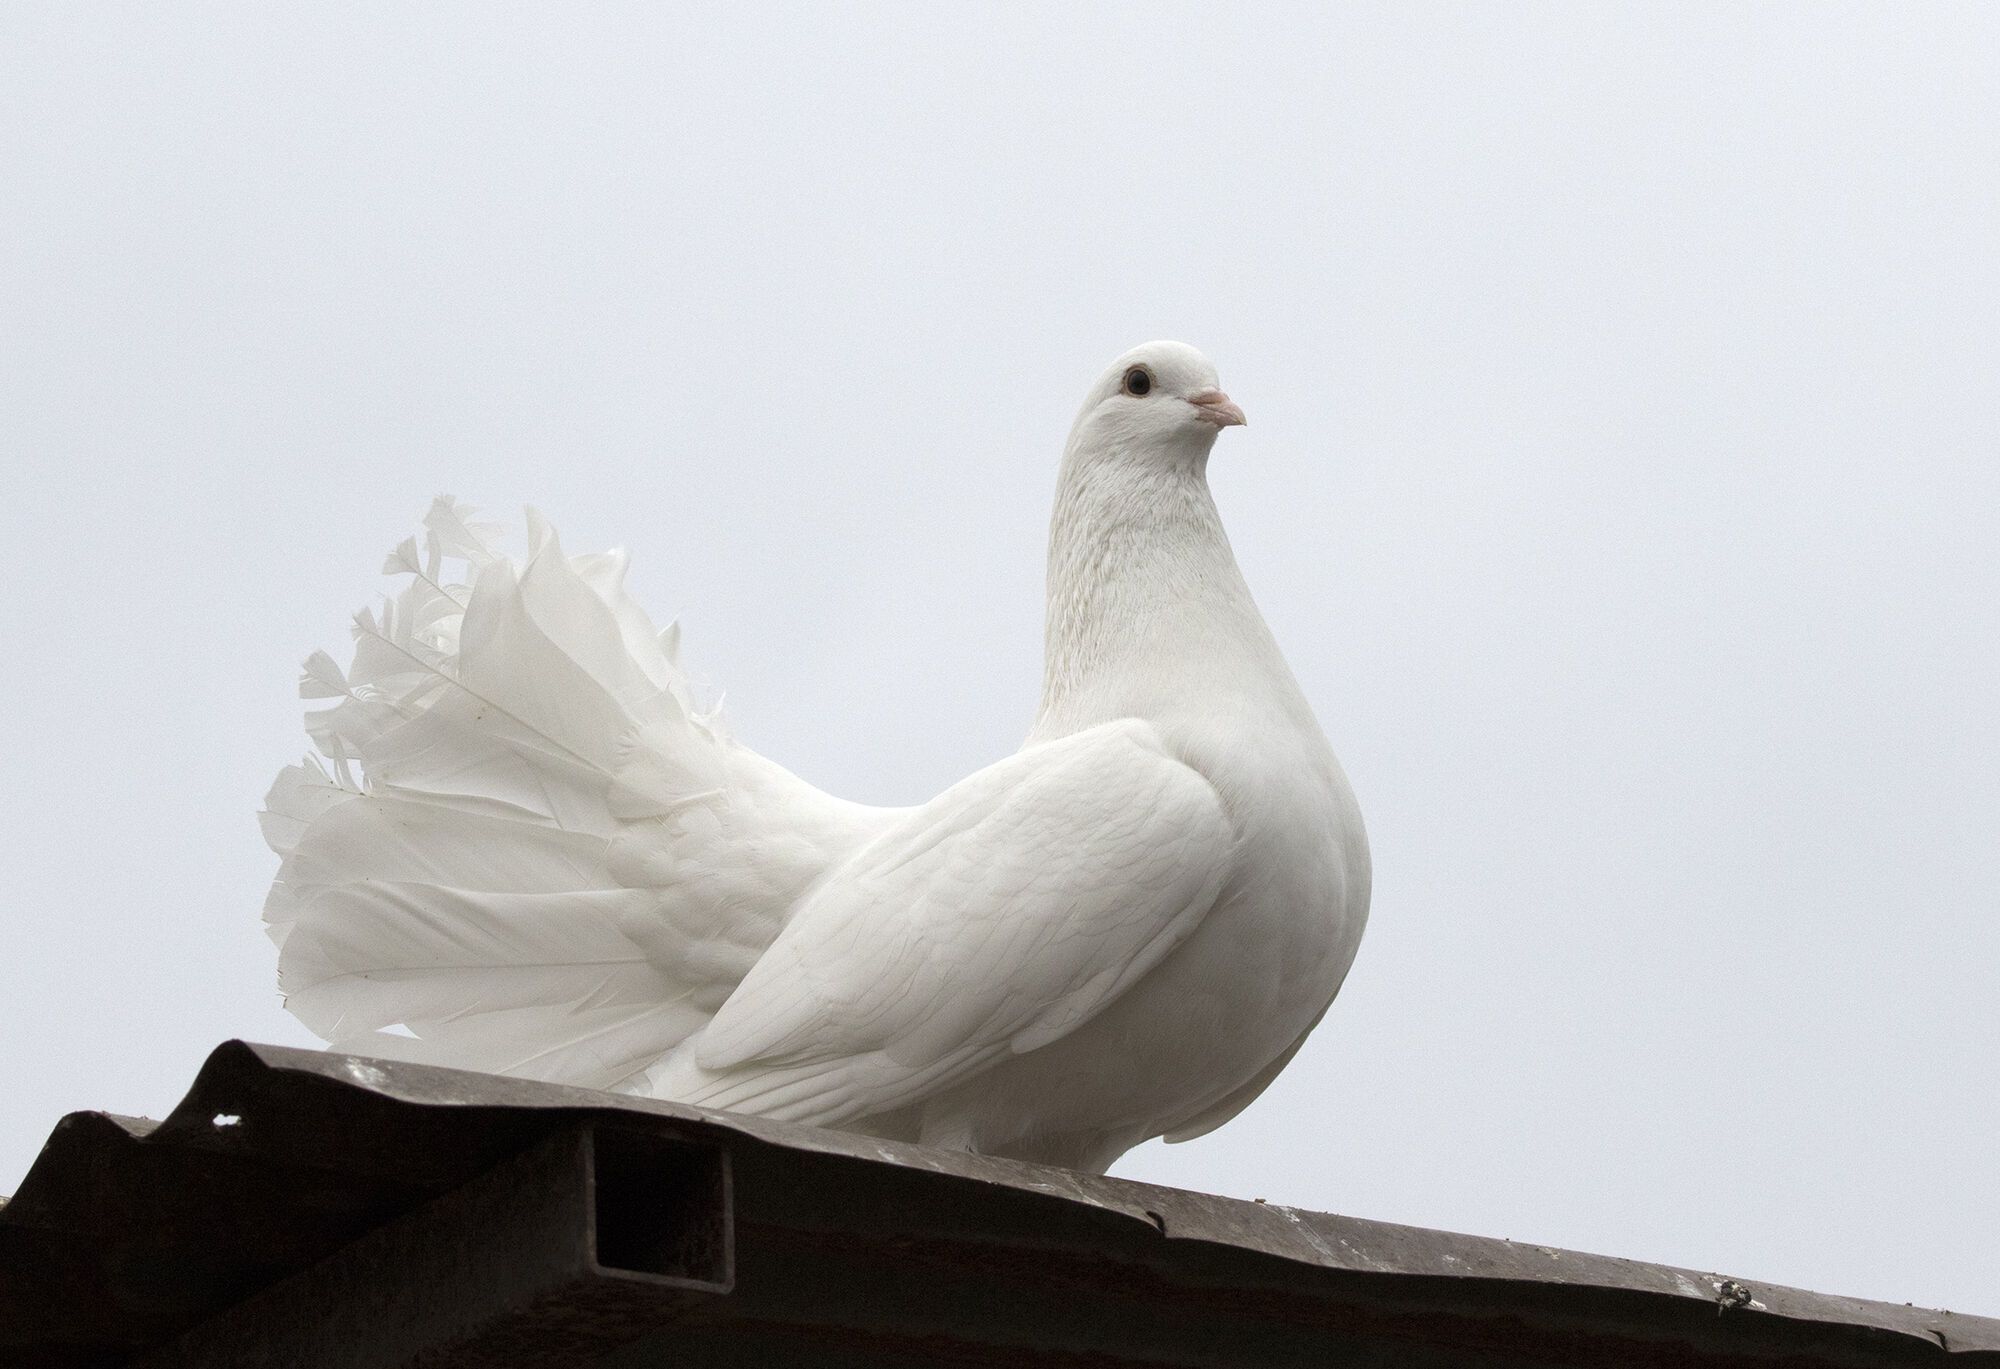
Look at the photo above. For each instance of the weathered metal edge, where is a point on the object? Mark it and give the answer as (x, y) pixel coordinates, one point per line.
(1323, 1240)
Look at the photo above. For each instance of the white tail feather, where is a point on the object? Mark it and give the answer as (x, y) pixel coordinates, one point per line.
(529, 850)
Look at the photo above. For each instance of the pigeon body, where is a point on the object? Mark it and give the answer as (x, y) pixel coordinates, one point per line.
(554, 865)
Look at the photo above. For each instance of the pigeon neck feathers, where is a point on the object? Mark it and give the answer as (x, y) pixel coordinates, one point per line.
(1148, 614)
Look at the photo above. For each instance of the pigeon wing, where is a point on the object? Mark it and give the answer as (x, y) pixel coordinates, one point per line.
(995, 919)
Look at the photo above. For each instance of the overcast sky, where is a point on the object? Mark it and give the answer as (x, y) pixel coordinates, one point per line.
(1623, 483)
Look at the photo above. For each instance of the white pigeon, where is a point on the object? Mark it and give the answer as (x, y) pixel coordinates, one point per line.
(532, 854)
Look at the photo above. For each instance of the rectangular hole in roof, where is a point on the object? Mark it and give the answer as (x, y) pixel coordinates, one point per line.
(661, 1206)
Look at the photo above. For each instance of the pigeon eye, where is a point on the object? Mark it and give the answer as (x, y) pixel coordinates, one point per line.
(1137, 382)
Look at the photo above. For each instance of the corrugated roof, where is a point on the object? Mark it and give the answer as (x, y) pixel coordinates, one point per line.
(307, 1208)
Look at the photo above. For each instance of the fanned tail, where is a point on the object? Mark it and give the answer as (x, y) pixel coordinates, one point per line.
(527, 850)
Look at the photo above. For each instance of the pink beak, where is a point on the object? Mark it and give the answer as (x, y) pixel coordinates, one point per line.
(1217, 408)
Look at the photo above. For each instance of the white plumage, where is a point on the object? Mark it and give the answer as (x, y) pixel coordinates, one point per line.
(528, 851)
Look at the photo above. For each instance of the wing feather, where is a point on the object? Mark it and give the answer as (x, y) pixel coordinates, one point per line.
(997, 918)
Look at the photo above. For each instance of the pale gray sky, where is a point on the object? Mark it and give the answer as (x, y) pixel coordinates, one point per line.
(1623, 483)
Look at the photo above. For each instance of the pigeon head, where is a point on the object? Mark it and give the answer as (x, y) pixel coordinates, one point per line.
(1160, 397)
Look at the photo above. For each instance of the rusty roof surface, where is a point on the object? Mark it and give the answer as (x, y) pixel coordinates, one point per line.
(128, 1238)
